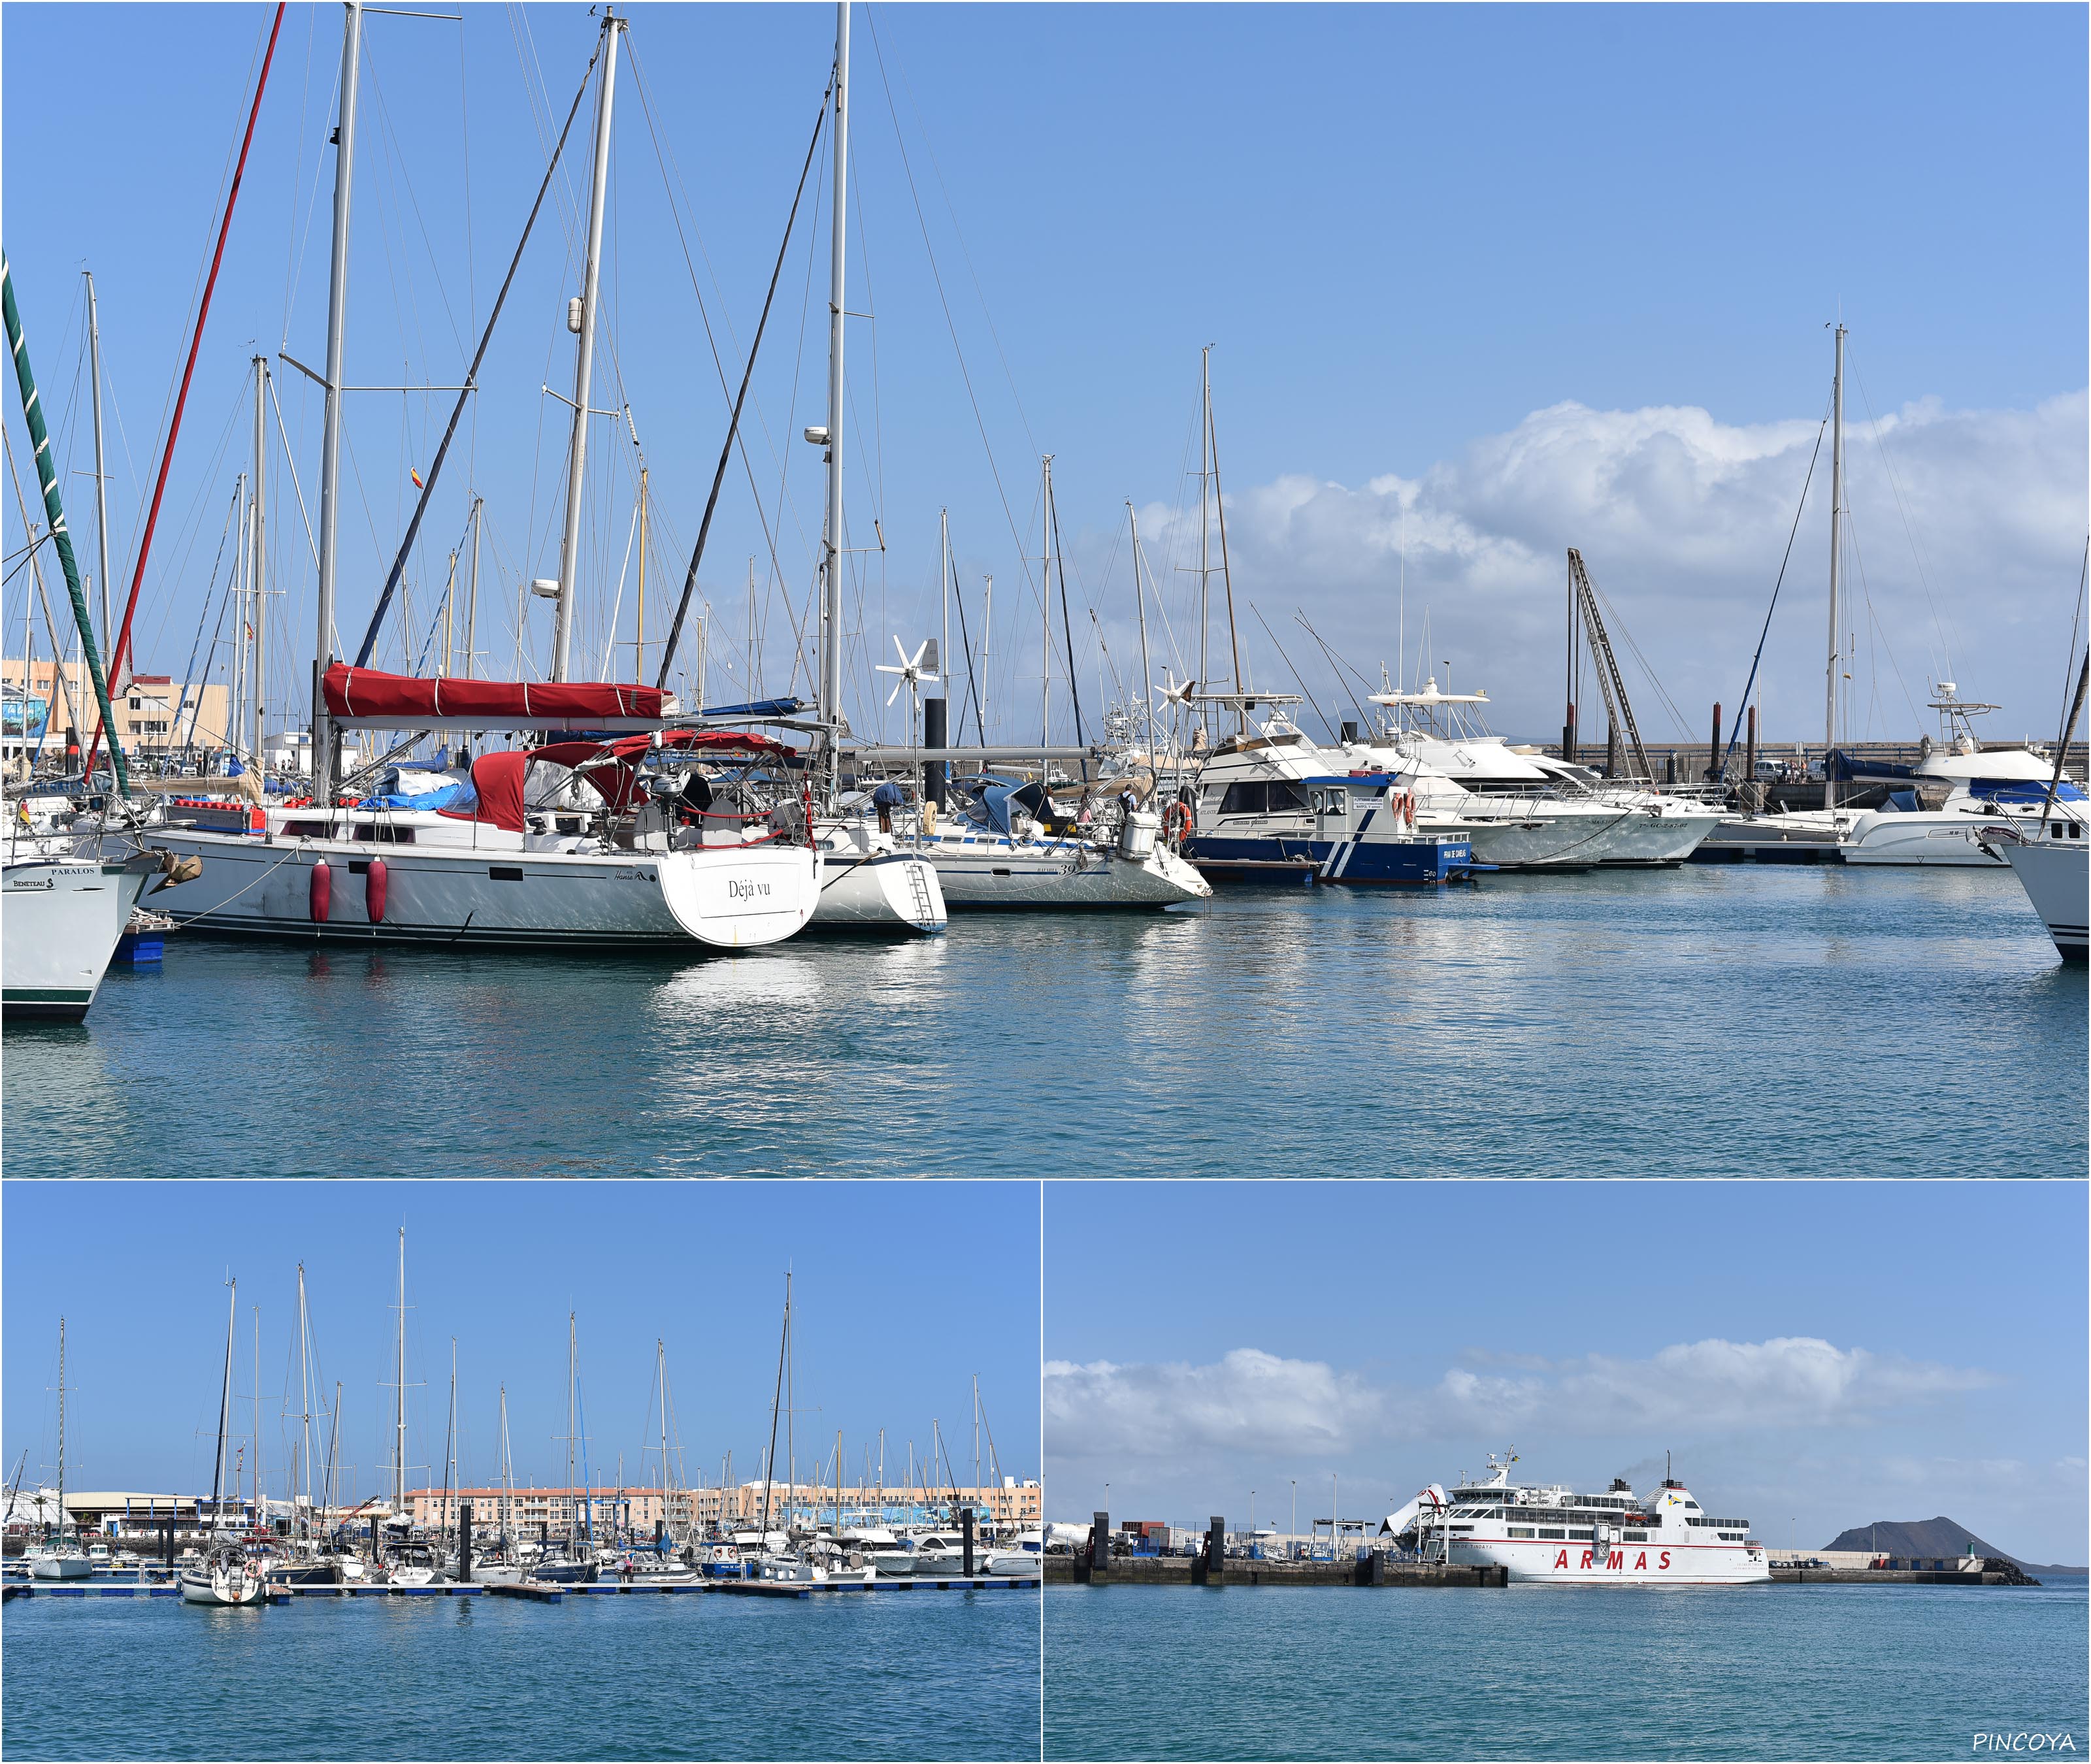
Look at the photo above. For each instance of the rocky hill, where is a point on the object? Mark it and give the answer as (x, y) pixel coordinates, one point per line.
(1930, 1537)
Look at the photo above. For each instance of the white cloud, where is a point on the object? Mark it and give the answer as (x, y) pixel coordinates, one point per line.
(1251, 1400)
(1246, 1400)
(1682, 519)
(1710, 1386)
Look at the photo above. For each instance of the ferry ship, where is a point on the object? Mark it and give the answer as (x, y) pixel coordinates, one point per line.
(1557, 1537)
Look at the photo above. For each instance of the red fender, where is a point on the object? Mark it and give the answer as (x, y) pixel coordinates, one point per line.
(374, 892)
(321, 900)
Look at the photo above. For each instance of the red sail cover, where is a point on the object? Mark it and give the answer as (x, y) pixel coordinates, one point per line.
(365, 697)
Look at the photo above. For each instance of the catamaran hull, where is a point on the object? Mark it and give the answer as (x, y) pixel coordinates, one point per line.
(727, 898)
(2057, 880)
(890, 891)
(62, 918)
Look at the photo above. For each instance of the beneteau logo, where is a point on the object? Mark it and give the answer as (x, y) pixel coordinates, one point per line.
(745, 891)
(2026, 1742)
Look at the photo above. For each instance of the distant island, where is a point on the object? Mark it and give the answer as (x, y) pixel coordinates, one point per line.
(1930, 1537)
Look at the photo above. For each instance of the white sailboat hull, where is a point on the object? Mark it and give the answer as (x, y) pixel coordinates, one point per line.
(993, 871)
(60, 1568)
(891, 891)
(2057, 879)
(718, 896)
(202, 1586)
(63, 916)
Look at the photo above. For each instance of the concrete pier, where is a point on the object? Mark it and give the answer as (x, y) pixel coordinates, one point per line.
(1245, 1571)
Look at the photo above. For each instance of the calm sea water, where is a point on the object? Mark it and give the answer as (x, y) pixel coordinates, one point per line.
(1560, 1672)
(940, 1676)
(1704, 1021)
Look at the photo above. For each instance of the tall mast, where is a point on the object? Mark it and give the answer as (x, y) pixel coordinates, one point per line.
(1139, 601)
(572, 1505)
(224, 1409)
(257, 574)
(1836, 564)
(1045, 608)
(471, 590)
(344, 176)
(987, 633)
(305, 1394)
(450, 1441)
(639, 622)
(61, 1507)
(100, 478)
(661, 1376)
(1204, 510)
(507, 1465)
(259, 1510)
(562, 610)
(944, 601)
(243, 534)
(1227, 572)
(334, 1446)
(829, 709)
(399, 1393)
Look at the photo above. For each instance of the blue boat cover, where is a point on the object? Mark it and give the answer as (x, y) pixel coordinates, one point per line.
(996, 799)
(2020, 792)
(760, 707)
(450, 796)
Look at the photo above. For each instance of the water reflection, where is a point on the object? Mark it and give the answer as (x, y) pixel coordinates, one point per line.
(1700, 1021)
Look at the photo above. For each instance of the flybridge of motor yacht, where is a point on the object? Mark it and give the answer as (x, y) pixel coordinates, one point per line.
(1556, 1534)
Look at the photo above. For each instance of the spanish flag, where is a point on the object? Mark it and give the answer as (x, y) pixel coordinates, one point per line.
(417, 477)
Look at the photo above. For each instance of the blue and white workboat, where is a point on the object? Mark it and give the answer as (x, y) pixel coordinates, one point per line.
(1271, 808)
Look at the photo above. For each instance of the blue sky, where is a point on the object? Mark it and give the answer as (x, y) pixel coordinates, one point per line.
(1816, 1354)
(498, 1266)
(1502, 279)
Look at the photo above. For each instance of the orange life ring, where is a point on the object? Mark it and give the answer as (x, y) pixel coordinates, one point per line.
(1176, 824)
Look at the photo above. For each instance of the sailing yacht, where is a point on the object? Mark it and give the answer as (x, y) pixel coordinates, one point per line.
(59, 1556)
(495, 872)
(221, 1574)
(1009, 847)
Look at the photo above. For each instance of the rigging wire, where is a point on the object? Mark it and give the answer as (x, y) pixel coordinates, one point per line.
(1895, 485)
(944, 299)
(1735, 736)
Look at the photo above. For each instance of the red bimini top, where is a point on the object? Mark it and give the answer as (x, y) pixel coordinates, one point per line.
(362, 698)
(612, 767)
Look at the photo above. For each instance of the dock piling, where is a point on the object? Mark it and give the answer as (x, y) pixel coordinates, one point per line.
(966, 1539)
(464, 1540)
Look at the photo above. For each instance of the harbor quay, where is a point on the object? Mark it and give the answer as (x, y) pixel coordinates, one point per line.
(1150, 1553)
